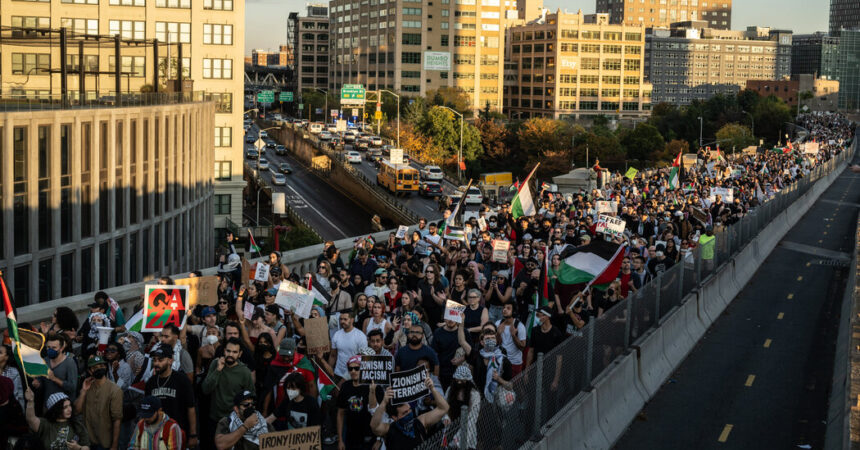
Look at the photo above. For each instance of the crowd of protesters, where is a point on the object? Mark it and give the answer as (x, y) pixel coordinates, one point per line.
(228, 377)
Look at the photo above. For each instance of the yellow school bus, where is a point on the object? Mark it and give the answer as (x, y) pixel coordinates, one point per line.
(399, 178)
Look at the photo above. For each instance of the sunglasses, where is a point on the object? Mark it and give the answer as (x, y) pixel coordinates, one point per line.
(222, 303)
(247, 405)
(111, 350)
(354, 368)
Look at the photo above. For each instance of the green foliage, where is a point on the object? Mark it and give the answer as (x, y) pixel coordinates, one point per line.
(734, 136)
(642, 142)
(771, 114)
(452, 97)
(298, 237)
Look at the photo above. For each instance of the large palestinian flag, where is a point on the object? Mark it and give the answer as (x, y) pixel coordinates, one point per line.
(523, 203)
(596, 264)
(26, 345)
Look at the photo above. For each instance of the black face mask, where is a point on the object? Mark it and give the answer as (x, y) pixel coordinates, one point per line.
(99, 373)
(248, 412)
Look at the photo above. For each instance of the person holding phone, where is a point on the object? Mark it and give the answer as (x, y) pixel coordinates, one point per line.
(59, 428)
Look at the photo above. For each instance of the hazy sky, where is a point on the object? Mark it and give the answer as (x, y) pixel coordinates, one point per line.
(266, 20)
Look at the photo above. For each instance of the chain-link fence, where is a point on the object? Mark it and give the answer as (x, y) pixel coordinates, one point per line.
(516, 415)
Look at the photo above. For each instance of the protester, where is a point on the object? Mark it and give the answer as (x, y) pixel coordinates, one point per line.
(101, 404)
(59, 429)
(174, 393)
(242, 426)
(156, 430)
(405, 430)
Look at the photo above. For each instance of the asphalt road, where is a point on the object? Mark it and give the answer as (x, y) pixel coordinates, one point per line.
(332, 214)
(761, 375)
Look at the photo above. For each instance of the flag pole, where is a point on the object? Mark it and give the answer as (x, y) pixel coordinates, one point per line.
(17, 341)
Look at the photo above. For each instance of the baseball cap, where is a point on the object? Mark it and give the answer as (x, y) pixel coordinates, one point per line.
(95, 361)
(271, 292)
(287, 347)
(354, 359)
(242, 396)
(161, 352)
(207, 311)
(148, 407)
(380, 272)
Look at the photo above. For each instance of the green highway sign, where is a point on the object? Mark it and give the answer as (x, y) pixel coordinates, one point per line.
(301, 106)
(265, 96)
(286, 97)
(352, 94)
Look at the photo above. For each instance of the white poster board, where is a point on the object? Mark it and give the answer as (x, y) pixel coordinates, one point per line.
(453, 310)
(610, 225)
(726, 193)
(261, 272)
(396, 156)
(606, 207)
(296, 298)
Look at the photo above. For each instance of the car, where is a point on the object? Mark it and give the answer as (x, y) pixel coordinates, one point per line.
(280, 150)
(271, 144)
(375, 140)
(353, 157)
(285, 168)
(249, 139)
(432, 173)
(315, 128)
(331, 129)
(349, 137)
(362, 144)
(373, 154)
(325, 136)
(278, 179)
(473, 197)
(263, 134)
(430, 189)
(252, 154)
(263, 164)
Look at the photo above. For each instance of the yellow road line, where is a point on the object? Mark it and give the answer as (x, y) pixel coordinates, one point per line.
(767, 343)
(724, 436)
(808, 264)
(780, 316)
(800, 278)
(790, 296)
(750, 380)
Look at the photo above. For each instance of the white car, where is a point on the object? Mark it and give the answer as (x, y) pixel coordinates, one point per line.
(315, 128)
(325, 136)
(432, 173)
(353, 157)
(263, 134)
(376, 140)
(263, 164)
(332, 129)
(473, 197)
(279, 179)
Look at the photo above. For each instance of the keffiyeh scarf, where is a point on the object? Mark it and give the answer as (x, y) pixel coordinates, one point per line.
(252, 435)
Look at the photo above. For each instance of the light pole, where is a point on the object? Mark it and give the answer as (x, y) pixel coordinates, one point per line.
(460, 152)
(398, 113)
(700, 132)
(325, 108)
(752, 123)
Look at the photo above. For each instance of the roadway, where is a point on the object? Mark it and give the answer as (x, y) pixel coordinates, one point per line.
(761, 375)
(328, 211)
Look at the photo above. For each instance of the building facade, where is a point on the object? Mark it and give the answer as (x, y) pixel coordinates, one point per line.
(312, 48)
(100, 197)
(844, 14)
(283, 57)
(662, 13)
(849, 76)
(211, 34)
(413, 47)
(692, 62)
(568, 65)
(814, 54)
(804, 91)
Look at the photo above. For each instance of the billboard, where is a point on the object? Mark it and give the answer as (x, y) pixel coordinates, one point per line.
(437, 60)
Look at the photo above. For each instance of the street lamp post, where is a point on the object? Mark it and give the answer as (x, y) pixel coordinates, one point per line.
(460, 152)
(752, 122)
(398, 113)
(325, 108)
(700, 131)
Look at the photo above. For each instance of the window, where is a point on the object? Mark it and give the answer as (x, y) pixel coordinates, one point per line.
(218, 68)
(631, 64)
(81, 26)
(223, 101)
(224, 5)
(612, 64)
(223, 169)
(223, 136)
(411, 39)
(412, 11)
(590, 63)
(31, 22)
(173, 4)
(91, 63)
(444, 39)
(410, 88)
(410, 58)
(411, 24)
(128, 29)
(490, 42)
(134, 66)
(173, 32)
(128, 2)
(27, 63)
(464, 41)
(222, 204)
(410, 74)
(174, 65)
(217, 34)
(82, 2)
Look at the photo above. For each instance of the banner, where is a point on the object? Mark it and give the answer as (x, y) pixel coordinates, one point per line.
(606, 207)
(316, 335)
(261, 272)
(610, 225)
(164, 305)
(307, 438)
(295, 298)
(500, 250)
(401, 231)
(811, 147)
(726, 193)
(631, 173)
(201, 290)
(376, 368)
(408, 386)
(453, 310)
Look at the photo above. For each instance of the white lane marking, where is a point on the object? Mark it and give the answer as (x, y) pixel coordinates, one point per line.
(320, 214)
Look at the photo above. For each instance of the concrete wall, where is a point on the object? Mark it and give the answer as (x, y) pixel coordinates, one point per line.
(596, 419)
(843, 415)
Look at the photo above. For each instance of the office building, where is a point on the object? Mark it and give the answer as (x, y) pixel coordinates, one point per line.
(412, 47)
(692, 62)
(210, 33)
(311, 45)
(283, 57)
(662, 13)
(814, 54)
(805, 91)
(569, 65)
(849, 76)
(844, 14)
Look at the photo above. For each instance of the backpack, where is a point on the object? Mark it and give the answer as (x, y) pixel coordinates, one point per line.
(165, 438)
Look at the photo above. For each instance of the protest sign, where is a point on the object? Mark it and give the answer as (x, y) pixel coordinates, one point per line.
(631, 173)
(610, 225)
(316, 334)
(500, 250)
(162, 305)
(306, 438)
(248, 310)
(201, 290)
(482, 224)
(246, 271)
(401, 231)
(700, 214)
(408, 386)
(296, 298)
(376, 368)
(261, 272)
(453, 310)
(726, 193)
(811, 147)
(606, 207)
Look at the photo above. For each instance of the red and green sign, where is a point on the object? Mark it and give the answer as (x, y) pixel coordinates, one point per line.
(164, 305)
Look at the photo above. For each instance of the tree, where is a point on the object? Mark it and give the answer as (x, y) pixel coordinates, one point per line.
(414, 111)
(673, 147)
(452, 97)
(419, 146)
(642, 142)
(771, 113)
(734, 135)
(443, 127)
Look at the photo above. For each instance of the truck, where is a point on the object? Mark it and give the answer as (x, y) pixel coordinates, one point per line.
(496, 186)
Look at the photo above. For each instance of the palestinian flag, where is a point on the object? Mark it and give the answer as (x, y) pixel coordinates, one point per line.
(324, 385)
(541, 298)
(116, 316)
(321, 297)
(300, 364)
(135, 322)
(523, 203)
(254, 246)
(451, 230)
(26, 345)
(596, 264)
(675, 174)
(139, 383)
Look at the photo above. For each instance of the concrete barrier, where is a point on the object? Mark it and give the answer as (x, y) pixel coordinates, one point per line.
(619, 397)
(712, 300)
(653, 367)
(692, 317)
(574, 428)
(677, 342)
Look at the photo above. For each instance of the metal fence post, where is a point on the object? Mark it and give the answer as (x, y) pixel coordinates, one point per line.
(659, 283)
(464, 425)
(699, 268)
(628, 322)
(538, 396)
(681, 282)
(589, 355)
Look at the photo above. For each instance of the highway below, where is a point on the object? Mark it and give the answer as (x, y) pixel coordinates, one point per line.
(761, 376)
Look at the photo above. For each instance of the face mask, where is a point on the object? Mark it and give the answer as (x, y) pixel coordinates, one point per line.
(211, 339)
(292, 393)
(99, 373)
(126, 345)
(490, 344)
(52, 353)
(248, 412)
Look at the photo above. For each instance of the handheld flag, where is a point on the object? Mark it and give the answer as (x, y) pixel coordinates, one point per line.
(675, 174)
(26, 345)
(596, 264)
(254, 246)
(321, 297)
(453, 231)
(523, 203)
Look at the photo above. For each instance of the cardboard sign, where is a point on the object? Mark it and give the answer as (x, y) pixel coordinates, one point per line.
(307, 438)
(246, 271)
(610, 225)
(201, 290)
(316, 335)
(376, 368)
(401, 231)
(408, 385)
(296, 298)
(453, 310)
(261, 272)
(726, 193)
(811, 147)
(606, 207)
(164, 305)
(500, 250)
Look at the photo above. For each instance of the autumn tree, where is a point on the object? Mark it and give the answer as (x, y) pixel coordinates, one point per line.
(733, 135)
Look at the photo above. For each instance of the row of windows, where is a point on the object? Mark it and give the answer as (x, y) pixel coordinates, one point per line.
(173, 32)
(224, 5)
(577, 34)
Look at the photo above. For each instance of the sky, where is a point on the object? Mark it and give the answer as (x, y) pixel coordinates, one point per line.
(266, 20)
